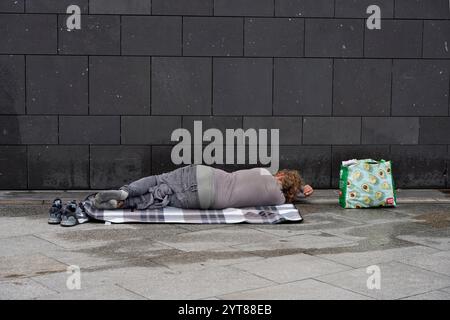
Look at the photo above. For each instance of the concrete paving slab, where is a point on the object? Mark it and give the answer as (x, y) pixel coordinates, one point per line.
(367, 258)
(291, 267)
(14, 267)
(308, 289)
(398, 281)
(209, 282)
(22, 289)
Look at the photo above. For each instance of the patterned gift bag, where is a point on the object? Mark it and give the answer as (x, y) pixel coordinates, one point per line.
(366, 183)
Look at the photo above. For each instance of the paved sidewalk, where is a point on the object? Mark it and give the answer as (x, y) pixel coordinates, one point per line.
(326, 257)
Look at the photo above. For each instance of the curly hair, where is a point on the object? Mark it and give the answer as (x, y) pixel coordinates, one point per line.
(291, 184)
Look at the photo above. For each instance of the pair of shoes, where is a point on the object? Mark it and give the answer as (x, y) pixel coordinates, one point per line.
(71, 215)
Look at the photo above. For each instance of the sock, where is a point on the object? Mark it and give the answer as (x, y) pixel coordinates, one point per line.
(111, 195)
(107, 205)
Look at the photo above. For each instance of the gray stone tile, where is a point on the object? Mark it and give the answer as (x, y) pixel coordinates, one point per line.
(157, 35)
(411, 162)
(15, 159)
(114, 166)
(243, 8)
(303, 86)
(362, 87)
(314, 160)
(291, 268)
(357, 8)
(304, 8)
(181, 7)
(362, 259)
(120, 6)
(331, 130)
(22, 289)
(28, 33)
(54, 6)
(393, 130)
(308, 289)
(432, 295)
(334, 37)
(208, 36)
(12, 97)
(242, 86)
(181, 86)
(419, 87)
(215, 238)
(65, 89)
(119, 85)
(72, 171)
(193, 285)
(396, 39)
(422, 9)
(101, 35)
(278, 37)
(21, 266)
(397, 281)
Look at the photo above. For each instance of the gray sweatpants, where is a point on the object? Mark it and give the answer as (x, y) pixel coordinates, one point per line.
(177, 188)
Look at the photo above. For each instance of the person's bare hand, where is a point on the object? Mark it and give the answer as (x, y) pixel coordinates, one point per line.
(307, 190)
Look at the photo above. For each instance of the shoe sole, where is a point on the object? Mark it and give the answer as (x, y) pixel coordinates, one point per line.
(54, 221)
(62, 224)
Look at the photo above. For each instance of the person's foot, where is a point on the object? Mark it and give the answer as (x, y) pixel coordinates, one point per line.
(107, 205)
(73, 214)
(107, 195)
(55, 212)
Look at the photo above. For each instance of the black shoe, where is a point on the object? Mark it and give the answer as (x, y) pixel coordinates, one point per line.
(55, 212)
(73, 214)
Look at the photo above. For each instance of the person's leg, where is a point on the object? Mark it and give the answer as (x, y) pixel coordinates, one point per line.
(139, 187)
(135, 188)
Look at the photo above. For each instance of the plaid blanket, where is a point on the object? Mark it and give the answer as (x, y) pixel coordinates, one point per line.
(266, 214)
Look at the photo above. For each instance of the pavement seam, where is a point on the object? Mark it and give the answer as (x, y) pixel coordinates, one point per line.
(346, 289)
(417, 267)
(131, 291)
(45, 286)
(418, 294)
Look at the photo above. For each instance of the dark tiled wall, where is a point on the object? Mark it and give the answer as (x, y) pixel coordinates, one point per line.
(95, 108)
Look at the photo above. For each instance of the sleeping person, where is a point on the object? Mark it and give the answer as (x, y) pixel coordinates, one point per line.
(204, 187)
